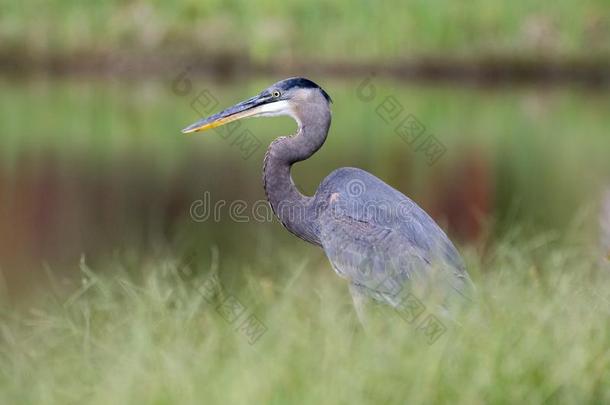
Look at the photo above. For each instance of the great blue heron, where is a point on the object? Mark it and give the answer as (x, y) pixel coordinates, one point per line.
(374, 236)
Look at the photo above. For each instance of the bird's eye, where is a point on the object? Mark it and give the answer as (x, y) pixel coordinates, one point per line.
(275, 94)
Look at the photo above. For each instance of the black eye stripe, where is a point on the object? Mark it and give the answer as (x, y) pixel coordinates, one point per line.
(300, 82)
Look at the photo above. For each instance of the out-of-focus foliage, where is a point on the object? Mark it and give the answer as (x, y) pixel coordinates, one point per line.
(149, 331)
(94, 170)
(316, 29)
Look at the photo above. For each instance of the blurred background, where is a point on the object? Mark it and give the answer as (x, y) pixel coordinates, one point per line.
(93, 96)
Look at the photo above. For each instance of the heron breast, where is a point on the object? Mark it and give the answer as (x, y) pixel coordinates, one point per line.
(333, 198)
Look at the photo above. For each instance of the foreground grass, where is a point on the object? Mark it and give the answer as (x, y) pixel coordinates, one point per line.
(539, 334)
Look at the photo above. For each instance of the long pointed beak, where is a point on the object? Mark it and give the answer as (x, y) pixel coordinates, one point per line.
(244, 109)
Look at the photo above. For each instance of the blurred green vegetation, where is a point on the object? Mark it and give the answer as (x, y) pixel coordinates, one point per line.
(322, 30)
(546, 148)
(96, 166)
(94, 169)
(149, 331)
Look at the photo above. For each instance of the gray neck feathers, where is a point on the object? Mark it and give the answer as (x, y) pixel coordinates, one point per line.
(295, 210)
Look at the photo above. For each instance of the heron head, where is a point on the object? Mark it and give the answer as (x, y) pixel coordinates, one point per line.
(285, 97)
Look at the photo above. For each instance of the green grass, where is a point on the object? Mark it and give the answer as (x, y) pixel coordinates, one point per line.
(318, 29)
(145, 333)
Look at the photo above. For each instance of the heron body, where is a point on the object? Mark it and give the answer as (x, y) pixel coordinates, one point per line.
(375, 237)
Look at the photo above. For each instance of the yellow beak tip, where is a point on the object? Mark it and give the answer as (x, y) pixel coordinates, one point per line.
(188, 131)
(219, 122)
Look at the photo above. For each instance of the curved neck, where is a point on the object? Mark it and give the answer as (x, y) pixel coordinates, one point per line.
(295, 210)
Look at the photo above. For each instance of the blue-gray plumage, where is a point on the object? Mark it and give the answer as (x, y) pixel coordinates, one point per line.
(383, 243)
